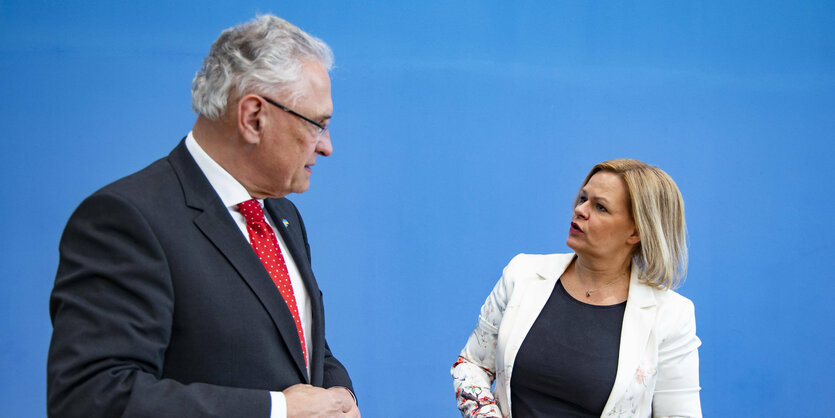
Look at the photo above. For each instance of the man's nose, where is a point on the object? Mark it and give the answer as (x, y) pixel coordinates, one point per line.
(323, 145)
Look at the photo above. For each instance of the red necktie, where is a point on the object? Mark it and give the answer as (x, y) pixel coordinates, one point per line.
(263, 241)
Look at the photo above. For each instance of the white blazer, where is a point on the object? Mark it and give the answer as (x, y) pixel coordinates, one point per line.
(658, 362)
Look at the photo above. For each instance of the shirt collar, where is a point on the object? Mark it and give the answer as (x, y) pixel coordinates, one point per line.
(231, 191)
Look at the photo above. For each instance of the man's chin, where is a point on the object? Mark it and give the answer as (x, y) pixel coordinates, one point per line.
(301, 188)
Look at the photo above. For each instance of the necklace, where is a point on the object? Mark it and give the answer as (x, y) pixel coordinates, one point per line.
(590, 291)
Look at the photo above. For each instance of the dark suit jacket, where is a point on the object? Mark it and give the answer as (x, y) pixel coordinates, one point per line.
(161, 307)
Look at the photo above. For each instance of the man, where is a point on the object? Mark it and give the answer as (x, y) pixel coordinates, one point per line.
(185, 289)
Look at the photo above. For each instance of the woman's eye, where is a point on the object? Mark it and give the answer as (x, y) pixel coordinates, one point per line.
(601, 208)
(581, 199)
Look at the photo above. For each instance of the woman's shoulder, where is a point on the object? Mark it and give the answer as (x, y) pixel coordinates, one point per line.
(675, 324)
(674, 307)
(547, 266)
(671, 297)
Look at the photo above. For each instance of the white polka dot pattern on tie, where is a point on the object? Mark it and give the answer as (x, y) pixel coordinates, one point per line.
(264, 243)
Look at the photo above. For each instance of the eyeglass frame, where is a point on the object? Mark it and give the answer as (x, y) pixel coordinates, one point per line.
(322, 128)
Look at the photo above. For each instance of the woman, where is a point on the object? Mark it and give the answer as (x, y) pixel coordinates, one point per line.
(598, 332)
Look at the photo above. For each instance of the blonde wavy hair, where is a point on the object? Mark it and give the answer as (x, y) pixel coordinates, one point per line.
(657, 208)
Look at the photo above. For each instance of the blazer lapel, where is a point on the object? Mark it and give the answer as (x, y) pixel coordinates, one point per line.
(638, 320)
(214, 221)
(530, 302)
(529, 305)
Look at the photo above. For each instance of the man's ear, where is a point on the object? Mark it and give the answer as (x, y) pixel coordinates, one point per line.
(251, 118)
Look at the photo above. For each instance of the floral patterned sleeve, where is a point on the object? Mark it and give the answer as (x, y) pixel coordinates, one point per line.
(474, 372)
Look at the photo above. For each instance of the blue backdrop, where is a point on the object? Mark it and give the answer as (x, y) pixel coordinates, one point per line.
(461, 133)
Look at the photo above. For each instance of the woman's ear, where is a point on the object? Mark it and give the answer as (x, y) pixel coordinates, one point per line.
(634, 238)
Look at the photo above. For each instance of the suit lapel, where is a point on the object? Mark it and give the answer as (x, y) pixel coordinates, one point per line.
(291, 233)
(638, 320)
(214, 221)
(289, 226)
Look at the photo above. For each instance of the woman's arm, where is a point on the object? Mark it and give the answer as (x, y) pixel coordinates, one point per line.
(677, 388)
(474, 372)
(472, 389)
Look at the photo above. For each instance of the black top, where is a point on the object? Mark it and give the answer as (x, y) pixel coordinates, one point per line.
(567, 363)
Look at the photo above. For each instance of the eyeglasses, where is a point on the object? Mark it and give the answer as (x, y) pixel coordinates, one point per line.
(321, 129)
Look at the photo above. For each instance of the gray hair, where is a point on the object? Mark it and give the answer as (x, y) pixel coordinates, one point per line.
(263, 55)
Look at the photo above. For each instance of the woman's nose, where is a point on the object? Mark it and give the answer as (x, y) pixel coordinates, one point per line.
(581, 210)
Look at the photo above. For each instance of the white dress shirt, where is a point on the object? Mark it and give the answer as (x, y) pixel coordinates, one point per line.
(231, 193)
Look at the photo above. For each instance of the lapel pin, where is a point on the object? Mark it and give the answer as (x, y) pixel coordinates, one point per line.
(286, 224)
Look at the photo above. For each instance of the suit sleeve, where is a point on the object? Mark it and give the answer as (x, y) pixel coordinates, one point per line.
(111, 310)
(335, 373)
(677, 388)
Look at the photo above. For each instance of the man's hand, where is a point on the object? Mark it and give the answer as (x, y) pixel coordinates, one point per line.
(305, 401)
